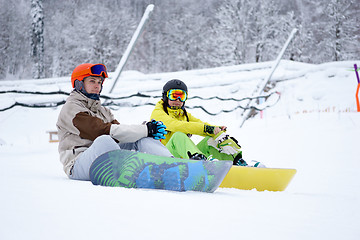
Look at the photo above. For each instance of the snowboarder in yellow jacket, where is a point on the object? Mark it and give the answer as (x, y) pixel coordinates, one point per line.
(181, 125)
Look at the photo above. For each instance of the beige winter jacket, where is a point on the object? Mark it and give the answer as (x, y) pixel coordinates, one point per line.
(82, 120)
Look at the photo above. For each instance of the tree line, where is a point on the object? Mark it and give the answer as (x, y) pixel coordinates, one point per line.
(48, 38)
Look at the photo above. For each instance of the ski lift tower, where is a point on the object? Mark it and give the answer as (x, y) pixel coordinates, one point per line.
(131, 45)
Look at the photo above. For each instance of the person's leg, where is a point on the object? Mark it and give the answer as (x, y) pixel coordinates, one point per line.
(180, 144)
(236, 158)
(101, 145)
(147, 145)
(209, 150)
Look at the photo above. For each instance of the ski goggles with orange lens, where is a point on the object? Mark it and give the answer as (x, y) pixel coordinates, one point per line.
(174, 94)
(98, 70)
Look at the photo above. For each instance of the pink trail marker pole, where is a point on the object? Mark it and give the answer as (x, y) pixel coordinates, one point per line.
(357, 74)
(357, 90)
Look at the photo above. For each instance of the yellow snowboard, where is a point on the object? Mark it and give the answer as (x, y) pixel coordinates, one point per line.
(247, 178)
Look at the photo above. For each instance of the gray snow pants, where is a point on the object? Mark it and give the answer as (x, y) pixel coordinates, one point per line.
(105, 143)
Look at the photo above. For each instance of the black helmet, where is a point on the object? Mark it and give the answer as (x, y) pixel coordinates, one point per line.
(173, 84)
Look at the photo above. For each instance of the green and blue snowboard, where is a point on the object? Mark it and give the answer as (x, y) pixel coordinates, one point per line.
(130, 169)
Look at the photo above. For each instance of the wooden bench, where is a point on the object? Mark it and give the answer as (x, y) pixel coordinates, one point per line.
(52, 135)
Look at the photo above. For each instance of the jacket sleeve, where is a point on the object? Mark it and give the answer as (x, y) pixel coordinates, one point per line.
(91, 127)
(194, 126)
(128, 133)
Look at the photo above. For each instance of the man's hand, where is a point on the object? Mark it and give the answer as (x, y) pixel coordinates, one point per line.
(156, 129)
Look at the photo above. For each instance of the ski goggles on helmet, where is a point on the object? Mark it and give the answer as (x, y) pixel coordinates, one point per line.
(174, 94)
(98, 70)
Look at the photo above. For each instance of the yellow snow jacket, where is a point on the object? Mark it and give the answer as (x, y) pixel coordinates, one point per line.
(176, 121)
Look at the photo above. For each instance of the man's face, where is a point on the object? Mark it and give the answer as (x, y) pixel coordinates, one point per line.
(93, 84)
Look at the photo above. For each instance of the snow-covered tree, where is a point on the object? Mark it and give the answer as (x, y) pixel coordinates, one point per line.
(180, 35)
(340, 26)
(270, 29)
(37, 38)
(14, 43)
(232, 31)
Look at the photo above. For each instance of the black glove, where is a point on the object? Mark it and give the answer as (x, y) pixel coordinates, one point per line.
(156, 129)
(236, 141)
(209, 129)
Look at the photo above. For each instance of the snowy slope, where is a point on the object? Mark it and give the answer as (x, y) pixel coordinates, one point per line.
(314, 127)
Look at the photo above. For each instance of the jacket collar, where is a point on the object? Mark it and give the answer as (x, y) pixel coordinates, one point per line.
(173, 112)
(91, 104)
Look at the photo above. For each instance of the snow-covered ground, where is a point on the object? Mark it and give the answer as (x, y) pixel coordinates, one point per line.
(314, 128)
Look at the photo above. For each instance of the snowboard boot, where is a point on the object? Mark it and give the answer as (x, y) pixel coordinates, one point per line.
(257, 164)
(197, 156)
(200, 156)
(210, 158)
(238, 161)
